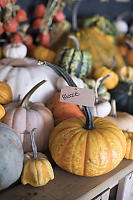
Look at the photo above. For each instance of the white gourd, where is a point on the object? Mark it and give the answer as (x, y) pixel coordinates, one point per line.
(22, 78)
(17, 50)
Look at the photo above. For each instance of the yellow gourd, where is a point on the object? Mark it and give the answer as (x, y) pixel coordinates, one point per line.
(37, 170)
(103, 71)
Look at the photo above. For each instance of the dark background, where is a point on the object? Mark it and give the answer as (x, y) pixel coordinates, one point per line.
(110, 9)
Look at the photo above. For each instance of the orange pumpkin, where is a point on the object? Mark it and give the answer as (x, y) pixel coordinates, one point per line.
(83, 146)
(129, 145)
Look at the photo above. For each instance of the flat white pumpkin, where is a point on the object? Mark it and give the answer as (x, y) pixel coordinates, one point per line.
(23, 74)
(17, 50)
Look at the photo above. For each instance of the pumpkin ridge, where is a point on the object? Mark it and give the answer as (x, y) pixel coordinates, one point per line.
(116, 135)
(75, 149)
(109, 164)
(84, 169)
(64, 148)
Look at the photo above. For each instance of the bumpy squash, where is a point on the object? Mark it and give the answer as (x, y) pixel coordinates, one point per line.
(77, 144)
(102, 50)
(11, 156)
(37, 170)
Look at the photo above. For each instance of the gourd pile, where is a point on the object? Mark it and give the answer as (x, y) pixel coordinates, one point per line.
(81, 140)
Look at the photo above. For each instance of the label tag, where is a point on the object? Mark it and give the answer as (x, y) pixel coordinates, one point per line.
(79, 96)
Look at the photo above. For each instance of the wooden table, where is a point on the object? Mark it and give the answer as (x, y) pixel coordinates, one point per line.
(67, 186)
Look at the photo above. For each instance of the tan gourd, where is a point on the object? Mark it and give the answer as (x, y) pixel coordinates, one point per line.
(122, 119)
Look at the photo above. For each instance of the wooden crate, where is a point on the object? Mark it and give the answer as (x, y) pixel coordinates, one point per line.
(67, 186)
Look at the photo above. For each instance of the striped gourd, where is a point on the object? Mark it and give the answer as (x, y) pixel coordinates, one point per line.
(75, 61)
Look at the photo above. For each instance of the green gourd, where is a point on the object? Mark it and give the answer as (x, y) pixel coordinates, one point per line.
(75, 61)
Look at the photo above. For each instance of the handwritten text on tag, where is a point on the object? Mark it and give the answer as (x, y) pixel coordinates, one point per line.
(79, 96)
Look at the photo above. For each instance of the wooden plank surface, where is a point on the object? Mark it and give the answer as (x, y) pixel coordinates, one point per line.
(67, 186)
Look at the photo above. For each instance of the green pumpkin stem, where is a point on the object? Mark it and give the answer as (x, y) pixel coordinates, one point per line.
(89, 119)
(34, 147)
(75, 40)
(25, 100)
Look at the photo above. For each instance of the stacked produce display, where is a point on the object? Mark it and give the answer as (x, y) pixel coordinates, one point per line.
(90, 53)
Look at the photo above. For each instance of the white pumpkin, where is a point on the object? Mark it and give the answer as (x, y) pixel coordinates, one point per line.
(24, 75)
(121, 26)
(61, 83)
(14, 50)
(11, 156)
(101, 109)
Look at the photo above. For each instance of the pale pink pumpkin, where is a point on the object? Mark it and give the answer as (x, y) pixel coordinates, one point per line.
(24, 116)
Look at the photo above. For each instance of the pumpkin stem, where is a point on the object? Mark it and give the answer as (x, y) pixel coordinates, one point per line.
(25, 100)
(102, 82)
(75, 40)
(61, 72)
(130, 88)
(113, 112)
(96, 88)
(34, 147)
(74, 16)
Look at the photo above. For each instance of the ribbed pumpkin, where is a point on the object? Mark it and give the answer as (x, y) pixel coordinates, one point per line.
(75, 61)
(129, 145)
(103, 71)
(5, 93)
(24, 115)
(37, 170)
(62, 111)
(123, 94)
(85, 148)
